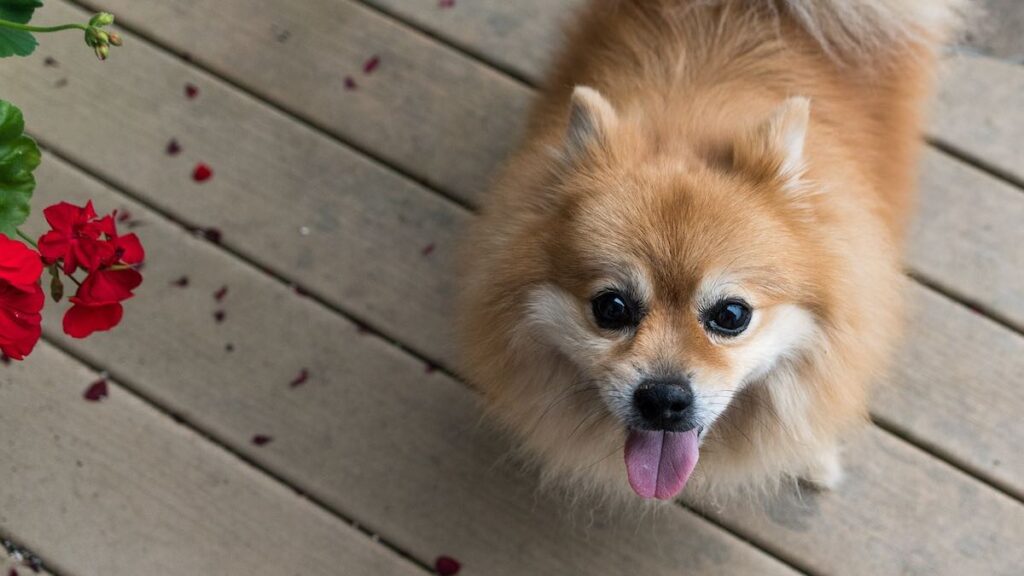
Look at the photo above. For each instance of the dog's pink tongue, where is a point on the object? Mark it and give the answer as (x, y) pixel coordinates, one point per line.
(659, 463)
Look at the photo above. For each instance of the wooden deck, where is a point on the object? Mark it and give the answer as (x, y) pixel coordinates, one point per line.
(340, 210)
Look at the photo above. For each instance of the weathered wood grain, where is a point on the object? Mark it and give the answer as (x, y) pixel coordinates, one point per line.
(968, 236)
(979, 112)
(891, 516)
(442, 117)
(372, 432)
(115, 488)
(368, 228)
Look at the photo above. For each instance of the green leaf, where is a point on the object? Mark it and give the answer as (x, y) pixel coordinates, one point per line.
(19, 156)
(17, 42)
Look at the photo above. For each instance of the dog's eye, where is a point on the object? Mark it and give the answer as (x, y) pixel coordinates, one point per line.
(613, 311)
(728, 317)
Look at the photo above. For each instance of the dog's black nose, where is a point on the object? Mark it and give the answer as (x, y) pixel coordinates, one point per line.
(663, 404)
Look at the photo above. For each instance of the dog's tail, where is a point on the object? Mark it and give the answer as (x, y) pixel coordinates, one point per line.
(859, 29)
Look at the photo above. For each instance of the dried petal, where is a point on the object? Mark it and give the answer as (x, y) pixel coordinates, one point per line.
(370, 65)
(261, 439)
(300, 379)
(220, 294)
(96, 391)
(447, 566)
(173, 148)
(191, 91)
(219, 315)
(350, 83)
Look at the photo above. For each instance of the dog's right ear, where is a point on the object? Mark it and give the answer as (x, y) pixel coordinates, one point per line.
(591, 120)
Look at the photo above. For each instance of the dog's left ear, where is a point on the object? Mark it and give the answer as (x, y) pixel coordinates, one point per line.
(774, 149)
(591, 120)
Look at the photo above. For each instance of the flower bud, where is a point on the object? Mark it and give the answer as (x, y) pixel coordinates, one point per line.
(102, 19)
(102, 51)
(114, 38)
(102, 37)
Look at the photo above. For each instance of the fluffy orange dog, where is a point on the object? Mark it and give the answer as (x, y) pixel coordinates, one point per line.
(697, 249)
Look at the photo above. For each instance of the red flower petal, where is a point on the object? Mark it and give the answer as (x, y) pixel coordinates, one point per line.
(300, 379)
(350, 83)
(130, 249)
(370, 65)
(202, 172)
(447, 566)
(181, 282)
(19, 266)
(261, 440)
(81, 320)
(191, 91)
(97, 391)
(107, 287)
(220, 294)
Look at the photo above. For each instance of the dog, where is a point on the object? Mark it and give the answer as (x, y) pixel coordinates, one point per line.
(689, 274)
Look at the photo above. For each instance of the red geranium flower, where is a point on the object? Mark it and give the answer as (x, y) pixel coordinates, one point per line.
(76, 237)
(21, 298)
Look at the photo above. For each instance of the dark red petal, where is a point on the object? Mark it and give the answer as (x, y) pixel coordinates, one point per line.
(212, 234)
(97, 391)
(261, 439)
(447, 566)
(300, 378)
(350, 83)
(81, 320)
(220, 294)
(370, 65)
(173, 148)
(191, 91)
(181, 282)
(428, 249)
(202, 172)
(122, 215)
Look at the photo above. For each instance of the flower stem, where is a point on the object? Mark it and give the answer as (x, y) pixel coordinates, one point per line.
(26, 238)
(27, 28)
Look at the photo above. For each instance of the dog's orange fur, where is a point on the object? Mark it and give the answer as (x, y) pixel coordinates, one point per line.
(678, 176)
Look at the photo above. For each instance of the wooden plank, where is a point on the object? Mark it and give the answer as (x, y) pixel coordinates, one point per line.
(519, 37)
(979, 112)
(115, 487)
(424, 108)
(953, 388)
(380, 218)
(884, 519)
(371, 432)
(968, 235)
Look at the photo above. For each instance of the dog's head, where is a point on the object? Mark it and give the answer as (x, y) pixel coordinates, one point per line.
(675, 278)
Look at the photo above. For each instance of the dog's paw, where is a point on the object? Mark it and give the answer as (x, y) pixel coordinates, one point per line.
(825, 472)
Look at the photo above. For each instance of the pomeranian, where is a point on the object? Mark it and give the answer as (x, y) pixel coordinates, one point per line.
(696, 252)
